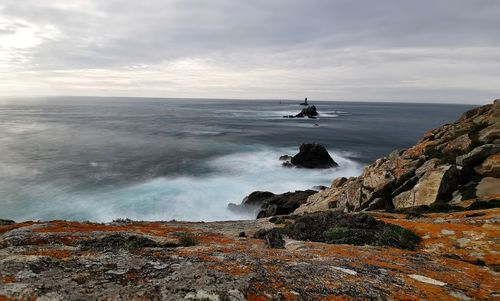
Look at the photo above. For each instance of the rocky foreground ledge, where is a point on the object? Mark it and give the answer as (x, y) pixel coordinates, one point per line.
(429, 230)
(456, 260)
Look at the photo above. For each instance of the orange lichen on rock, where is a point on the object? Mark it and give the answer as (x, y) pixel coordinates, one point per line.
(77, 227)
(471, 239)
(7, 278)
(302, 271)
(7, 228)
(59, 254)
(233, 269)
(149, 228)
(214, 238)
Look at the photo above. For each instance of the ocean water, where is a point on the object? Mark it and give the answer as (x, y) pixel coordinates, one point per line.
(89, 158)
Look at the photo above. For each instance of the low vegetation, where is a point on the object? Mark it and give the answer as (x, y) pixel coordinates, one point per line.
(118, 241)
(341, 228)
(186, 239)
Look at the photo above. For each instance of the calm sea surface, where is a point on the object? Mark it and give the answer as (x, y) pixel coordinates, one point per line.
(160, 159)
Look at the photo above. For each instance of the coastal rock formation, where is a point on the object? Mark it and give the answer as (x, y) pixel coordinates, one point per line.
(455, 162)
(266, 204)
(311, 155)
(308, 111)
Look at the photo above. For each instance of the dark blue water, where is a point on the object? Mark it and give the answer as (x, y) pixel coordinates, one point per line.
(143, 158)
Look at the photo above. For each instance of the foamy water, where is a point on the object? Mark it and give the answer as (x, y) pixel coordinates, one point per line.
(159, 159)
(192, 198)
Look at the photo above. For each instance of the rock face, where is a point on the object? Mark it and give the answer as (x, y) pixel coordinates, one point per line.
(457, 161)
(266, 204)
(311, 156)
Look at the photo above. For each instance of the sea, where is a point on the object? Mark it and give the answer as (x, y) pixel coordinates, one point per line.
(105, 158)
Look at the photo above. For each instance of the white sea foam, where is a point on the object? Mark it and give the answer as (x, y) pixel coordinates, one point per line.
(194, 197)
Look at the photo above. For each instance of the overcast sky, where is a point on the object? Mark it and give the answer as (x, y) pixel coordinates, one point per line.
(390, 50)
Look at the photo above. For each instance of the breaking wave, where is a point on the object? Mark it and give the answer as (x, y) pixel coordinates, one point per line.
(201, 197)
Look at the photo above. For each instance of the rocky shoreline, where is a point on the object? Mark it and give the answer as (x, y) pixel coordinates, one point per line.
(429, 230)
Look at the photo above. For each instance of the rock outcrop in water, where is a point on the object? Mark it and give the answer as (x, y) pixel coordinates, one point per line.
(405, 253)
(450, 164)
(311, 155)
(266, 204)
(308, 111)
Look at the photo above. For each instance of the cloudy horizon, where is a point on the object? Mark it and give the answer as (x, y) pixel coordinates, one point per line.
(388, 50)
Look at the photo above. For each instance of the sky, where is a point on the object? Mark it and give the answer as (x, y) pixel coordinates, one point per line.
(352, 50)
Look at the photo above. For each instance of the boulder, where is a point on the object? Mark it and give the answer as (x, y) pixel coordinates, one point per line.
(435, 185)
(459, 145)
(266, 204)
(490, 167)
(284, 203)
(428, 165)
(488, 188)
(489, 135)
(338, 182)
(313, 156)
(377, 179)
(252, 202)
(477, 155)
(285, 158)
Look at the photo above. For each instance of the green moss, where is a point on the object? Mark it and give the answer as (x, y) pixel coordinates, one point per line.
(336, 233)
(396, 236)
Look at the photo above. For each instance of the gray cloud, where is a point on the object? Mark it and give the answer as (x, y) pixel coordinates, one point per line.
(443, 50)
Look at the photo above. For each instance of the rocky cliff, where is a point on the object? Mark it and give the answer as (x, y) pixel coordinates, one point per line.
(453, 164)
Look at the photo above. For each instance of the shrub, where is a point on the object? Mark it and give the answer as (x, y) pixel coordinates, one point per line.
(336, 233)
(187, 240)
(342, 228)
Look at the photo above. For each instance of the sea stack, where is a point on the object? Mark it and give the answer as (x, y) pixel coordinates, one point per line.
(311, 155)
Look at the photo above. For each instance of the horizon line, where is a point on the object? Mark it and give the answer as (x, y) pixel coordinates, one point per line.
(451, 102)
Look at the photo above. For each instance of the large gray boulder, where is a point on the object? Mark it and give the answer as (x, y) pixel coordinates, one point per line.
(435, 185)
